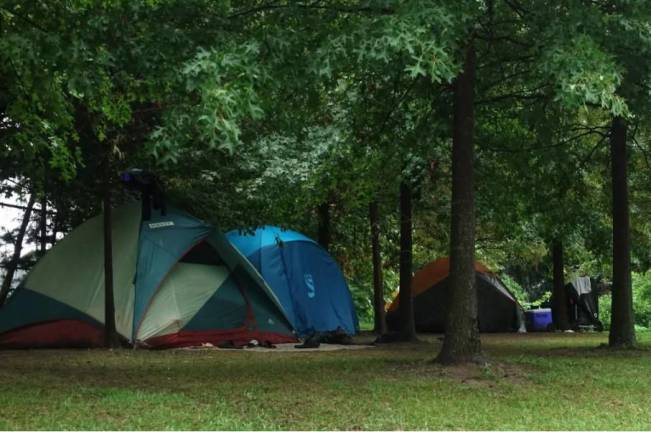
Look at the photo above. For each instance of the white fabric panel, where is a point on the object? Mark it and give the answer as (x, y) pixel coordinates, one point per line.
(181, 295)
(72, 272)
(582, 285)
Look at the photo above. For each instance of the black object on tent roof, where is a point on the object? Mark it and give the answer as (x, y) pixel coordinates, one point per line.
(150, 188)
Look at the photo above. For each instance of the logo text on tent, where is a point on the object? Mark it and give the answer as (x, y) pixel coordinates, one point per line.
(309, 281)
(156, 225)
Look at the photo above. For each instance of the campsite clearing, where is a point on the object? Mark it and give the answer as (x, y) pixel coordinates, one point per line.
(550, 381)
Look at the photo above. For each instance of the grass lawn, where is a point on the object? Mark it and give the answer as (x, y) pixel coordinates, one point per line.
(535, 381)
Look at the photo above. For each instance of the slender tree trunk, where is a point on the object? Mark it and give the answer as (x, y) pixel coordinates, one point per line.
(378, 285)
(324, 225)
(406, 301)
(56, 222)
(43, 224)
(43, 216)
(622, 325)
(110, 335)
(18, 246)
(462, 343)
(560, 312)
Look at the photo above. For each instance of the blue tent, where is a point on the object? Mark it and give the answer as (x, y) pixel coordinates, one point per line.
(304, 277)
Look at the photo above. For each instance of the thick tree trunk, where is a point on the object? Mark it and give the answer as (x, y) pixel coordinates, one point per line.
(378, 285)
(406, 301)
(110, 335)
(18, 246)
(461, 343)
(622, 325)
(324, 225)
(560, 312)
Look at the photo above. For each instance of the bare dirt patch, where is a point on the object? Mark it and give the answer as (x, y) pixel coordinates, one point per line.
(470, 374)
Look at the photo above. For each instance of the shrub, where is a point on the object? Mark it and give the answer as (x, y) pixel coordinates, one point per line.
(641, 302)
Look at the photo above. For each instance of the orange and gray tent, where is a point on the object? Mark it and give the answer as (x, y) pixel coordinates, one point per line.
(177, 282)
(499, 311)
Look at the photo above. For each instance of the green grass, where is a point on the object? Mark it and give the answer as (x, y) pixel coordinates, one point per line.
(552, 381)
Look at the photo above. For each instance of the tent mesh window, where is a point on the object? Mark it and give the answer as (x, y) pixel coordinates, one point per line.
(202, 253)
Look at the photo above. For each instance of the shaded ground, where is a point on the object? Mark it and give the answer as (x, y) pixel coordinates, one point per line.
(290, 347)
(546, 381)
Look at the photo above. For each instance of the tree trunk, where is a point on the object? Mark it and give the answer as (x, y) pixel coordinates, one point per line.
(18, 246)
(43, 224)
(324, 225)
(406, 301)
(110, 335)
(622, 325)
(462, 343)
(378, 285)
(56, 223)
(560, 312)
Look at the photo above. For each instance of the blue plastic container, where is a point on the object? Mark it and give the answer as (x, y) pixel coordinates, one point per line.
(538, 319)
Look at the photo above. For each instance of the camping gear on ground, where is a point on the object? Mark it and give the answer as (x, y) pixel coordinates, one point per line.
(304, 277)
(583, 303)
(177, 282)
(339, 337)
(498, 309)
(539, 319)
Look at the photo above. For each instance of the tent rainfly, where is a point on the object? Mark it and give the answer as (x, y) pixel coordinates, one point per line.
(498, 309)
(304, 277)
(177, 282)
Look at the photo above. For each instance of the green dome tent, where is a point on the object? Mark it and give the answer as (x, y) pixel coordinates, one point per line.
(177, 282)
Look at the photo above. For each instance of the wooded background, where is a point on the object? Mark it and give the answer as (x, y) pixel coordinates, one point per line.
(500, 129)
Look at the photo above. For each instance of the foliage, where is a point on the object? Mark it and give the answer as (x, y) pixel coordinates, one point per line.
(585, 74)
(641, 302)
(221, 86)
(260, 112)
(517, 290)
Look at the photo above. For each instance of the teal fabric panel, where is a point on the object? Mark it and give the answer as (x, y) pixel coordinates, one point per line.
(248, 278)
(27, 307)
(163, 241)
(268, 316)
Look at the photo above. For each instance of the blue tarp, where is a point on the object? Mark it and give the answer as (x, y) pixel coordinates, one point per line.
(304, 277)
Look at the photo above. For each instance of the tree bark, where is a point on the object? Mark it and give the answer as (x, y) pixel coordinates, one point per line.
(43, 224)
(18, 246)
(56, 223)
(324, 225)
(406, 301)
(110, 335)
(560, 312)
(462, 343)
(622, 325)
(380, 326)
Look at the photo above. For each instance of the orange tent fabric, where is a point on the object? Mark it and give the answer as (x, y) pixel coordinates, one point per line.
(430, 275)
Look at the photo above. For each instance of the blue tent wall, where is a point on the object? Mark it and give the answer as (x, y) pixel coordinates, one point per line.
(304, 277)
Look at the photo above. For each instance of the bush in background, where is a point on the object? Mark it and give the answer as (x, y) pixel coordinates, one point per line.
(641, 302)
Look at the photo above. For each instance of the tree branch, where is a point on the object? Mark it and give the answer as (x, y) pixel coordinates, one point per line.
(314, 6)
